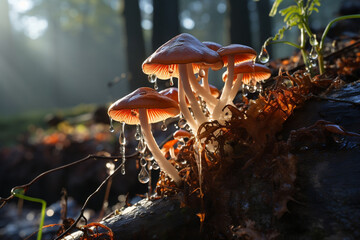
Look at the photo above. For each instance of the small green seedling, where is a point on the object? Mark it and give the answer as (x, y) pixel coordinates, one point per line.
(297, 15)
(19, 192)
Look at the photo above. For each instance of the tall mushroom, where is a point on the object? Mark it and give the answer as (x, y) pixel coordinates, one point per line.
(232, 54)
(175, 58)
(145, 106)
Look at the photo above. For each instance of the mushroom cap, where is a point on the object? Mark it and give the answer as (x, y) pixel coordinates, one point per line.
(250, 70)
(240, 52)
(212, 45)
(158, 107)
(182, 134)
(181, 49)
(171, 92)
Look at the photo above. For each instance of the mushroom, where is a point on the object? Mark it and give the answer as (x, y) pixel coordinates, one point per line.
(213, 46)
(176, 58)
(145, 106)
(245, 73)
(231, 55)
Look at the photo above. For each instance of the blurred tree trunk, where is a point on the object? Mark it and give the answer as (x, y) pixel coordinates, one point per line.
(265, 21)
(240, 29)
(5, 26)
(135, 46)
(165, 21)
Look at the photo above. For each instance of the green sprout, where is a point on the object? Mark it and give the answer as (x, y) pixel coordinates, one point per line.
(19, 192)
(297, 15)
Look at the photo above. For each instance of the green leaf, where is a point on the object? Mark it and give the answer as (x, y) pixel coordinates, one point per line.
(274, 8)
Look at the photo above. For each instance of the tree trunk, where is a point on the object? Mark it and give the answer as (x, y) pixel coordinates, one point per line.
(165, 21)
(135, 46)
(240, 25)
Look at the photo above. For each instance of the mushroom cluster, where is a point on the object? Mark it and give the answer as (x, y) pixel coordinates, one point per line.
(194, 102)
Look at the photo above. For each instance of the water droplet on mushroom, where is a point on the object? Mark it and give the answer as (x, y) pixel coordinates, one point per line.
(111, 129)
(148, 155)
(252, 88)
(182, 123)
(143, 162)
(171, 81)
(264, 55)
(143, 176)
(163, 126)
(141, 146)
(202, 73)
(122, 170)
(122, 139)
(259, 87)
(156, 85)
(244, 90)
(138, 133)
(313, 40)
(152, 78)
(171, 69)
(155, 165)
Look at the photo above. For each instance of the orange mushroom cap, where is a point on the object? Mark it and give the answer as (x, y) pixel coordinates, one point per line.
(158, 107)
(171, 92)
(182, 134)
(181, 49)
(240, 52)
(256, 71)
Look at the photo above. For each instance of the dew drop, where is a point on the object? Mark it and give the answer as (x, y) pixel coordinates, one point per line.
(263, 56)
(143, 176)
(122, 139)
(171, 81)
(313, 63)
(111, 129)
(163, 126)
(122, 170)
(244, 90)
(313, 54)
(148, 155)
(143, 162)
(313, 40)
(171, 69)
(138, 133)
(252, 88)
(152, 78)
(182, 123)
(202, 73)
(141, 146)
(155, 165)
(259, 87)
(156, 87)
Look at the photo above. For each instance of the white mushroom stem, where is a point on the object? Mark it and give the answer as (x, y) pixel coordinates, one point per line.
(205, 80)
(226, 90)
(206, 95)
(198, 114)
(164, 164)
(235, 88)
(185, 110)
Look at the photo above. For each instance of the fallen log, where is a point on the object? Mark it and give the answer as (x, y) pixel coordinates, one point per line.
(326, 201)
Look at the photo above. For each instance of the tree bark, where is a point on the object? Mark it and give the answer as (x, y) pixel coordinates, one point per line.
(325, 205)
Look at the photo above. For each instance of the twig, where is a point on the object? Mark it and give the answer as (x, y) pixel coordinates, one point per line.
(86, 201)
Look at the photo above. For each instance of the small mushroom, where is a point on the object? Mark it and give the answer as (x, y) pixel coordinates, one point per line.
(145, 106)
(245, 73)
(232, 54)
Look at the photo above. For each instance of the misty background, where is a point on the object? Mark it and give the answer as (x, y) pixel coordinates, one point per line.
(58, 54)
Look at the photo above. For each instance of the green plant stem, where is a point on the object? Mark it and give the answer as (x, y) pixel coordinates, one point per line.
(302, 48)
(17, 193)
(321, 45)
(285, 42)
